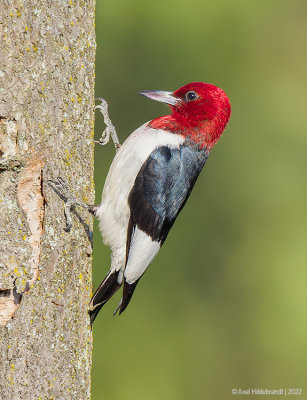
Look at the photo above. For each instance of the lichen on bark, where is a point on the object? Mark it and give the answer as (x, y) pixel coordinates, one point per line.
(46, 130)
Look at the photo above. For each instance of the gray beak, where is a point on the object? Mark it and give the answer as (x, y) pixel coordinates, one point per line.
(162, 96)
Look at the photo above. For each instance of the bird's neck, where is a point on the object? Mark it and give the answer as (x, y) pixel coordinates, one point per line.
(205, 133)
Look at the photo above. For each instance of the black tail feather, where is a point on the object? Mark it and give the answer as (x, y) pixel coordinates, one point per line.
(93, 313)
(104, 292)
(127, 294)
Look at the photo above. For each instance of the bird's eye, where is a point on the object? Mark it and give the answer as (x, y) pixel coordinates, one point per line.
(190, 96)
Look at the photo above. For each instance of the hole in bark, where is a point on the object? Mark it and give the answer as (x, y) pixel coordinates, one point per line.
(5, 292)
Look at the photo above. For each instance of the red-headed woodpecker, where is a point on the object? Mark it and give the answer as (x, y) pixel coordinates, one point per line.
(149, 181)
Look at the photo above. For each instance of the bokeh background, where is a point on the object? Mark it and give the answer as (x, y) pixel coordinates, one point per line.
(224, 304)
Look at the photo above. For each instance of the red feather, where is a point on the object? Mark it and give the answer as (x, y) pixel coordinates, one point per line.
(203, 119)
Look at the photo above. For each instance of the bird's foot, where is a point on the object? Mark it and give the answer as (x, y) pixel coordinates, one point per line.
(61, 187)
(110, 130)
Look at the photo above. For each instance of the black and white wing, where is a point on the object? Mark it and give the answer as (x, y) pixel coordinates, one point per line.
(160, 191)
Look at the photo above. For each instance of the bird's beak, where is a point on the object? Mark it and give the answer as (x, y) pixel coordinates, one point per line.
(162, 96)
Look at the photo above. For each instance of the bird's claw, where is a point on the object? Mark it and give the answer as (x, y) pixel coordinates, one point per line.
(61, 187)
(105, 137)
(110, 130)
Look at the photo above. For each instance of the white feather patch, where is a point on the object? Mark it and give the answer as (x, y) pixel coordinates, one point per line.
(142, 251)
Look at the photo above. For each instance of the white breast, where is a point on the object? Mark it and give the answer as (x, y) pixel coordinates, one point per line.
(114, 212)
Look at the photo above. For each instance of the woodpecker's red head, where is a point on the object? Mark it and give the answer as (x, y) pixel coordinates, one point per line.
(200, 111)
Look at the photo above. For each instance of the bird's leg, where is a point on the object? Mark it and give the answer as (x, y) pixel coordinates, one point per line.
(110, 128)
(60, 186)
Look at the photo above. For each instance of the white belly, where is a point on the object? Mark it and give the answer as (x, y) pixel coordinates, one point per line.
(114, 211)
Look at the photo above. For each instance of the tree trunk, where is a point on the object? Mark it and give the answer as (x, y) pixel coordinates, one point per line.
(46, 130)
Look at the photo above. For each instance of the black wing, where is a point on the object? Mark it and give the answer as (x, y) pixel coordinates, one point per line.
(161, 189)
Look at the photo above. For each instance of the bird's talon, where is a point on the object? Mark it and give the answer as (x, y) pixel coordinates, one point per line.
(110, 130)
(67, 228)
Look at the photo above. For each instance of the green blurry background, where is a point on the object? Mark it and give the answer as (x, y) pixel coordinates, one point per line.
(224, 303)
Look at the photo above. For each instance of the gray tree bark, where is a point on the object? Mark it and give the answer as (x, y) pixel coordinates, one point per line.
(46, 130)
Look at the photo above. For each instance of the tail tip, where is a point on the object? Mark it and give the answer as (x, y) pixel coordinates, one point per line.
(93, 315)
